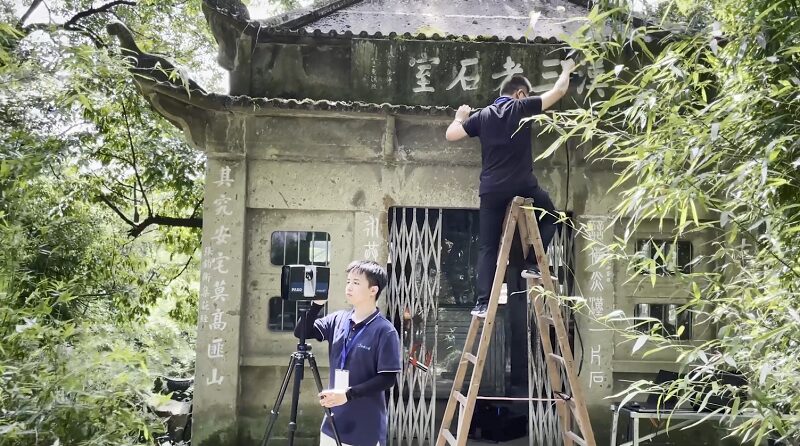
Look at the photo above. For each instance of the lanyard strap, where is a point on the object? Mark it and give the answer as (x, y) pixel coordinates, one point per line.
(345, 350)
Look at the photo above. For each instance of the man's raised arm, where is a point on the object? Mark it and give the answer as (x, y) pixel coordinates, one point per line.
(560, 88)
(456, 129)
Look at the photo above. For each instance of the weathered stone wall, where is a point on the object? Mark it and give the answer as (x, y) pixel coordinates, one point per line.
(334, 176)
(336, 169)
(333, 172)
(396, 70)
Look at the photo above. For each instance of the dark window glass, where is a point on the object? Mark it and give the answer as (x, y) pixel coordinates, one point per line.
(295, 248)
(459, 257)
(283, 314)
(300, 248)
(664, 319)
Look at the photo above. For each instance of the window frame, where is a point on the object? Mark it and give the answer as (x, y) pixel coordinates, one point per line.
(645, 323)
(663, 268)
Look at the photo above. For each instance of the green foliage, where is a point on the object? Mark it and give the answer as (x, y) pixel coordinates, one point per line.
(703, 127)
(78, 353)
(89, 316)
(77, 383)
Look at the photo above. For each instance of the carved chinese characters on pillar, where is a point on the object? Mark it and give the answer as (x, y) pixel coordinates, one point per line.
(213, 286)
(599, 272)
(600, 285)
(221, 205)
(372, 233)
(596, 377)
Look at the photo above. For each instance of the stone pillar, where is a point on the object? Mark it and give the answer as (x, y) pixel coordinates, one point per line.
(596, 281)
(220, 302)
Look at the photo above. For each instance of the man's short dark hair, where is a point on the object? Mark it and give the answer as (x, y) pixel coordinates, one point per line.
(376, 274)
(515, 83)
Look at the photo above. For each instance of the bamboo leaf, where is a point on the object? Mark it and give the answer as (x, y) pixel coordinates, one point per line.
(640, 341)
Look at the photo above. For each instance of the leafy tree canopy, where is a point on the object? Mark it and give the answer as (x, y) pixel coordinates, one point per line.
(703, 128)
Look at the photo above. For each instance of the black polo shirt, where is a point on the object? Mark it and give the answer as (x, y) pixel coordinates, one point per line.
(506, 154)
(362, 421)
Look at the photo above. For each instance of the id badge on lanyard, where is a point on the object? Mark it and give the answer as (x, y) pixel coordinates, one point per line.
(341, 377)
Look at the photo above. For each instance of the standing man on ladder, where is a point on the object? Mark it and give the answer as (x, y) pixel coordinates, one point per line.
(507, 167)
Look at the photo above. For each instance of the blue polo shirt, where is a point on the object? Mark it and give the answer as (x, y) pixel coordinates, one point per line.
(362, 421)
(506, 154)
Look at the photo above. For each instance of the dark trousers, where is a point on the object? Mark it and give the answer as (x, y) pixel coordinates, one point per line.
(492, 213)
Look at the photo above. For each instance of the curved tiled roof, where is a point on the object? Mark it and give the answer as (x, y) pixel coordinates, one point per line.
(502, 18)
(481, 20)
(266, 33)
(247, 104)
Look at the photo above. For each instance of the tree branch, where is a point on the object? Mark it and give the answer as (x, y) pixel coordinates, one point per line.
(196, 208)
(112, 155)
(72, 24)
(116, 210)
(98, 42)
(93, 36)
(183, 270)
(112, 191)
(137, 229)
(92, 11)
(28, 13)
(133, 158)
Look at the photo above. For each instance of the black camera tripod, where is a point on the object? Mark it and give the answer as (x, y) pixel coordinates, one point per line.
(296, 366)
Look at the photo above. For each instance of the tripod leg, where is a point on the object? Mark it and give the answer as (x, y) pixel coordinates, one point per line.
(328, 412)
(298, 378)
(277, 407)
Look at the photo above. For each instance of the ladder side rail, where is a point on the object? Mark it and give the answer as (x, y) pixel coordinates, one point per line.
(465, 417)
(581, 413)
(509, 226)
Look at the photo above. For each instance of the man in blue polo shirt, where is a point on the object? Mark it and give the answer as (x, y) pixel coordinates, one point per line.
(507, 167)
(364, 353)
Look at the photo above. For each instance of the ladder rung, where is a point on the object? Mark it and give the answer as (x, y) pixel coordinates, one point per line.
(521, 398)
(471, 358)
(460, 398)
(449, 437)
(557, 357)
(576, 438)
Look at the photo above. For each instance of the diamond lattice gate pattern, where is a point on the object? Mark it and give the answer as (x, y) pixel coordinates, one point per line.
(415, 255)
(543, 422)
(414, 276)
